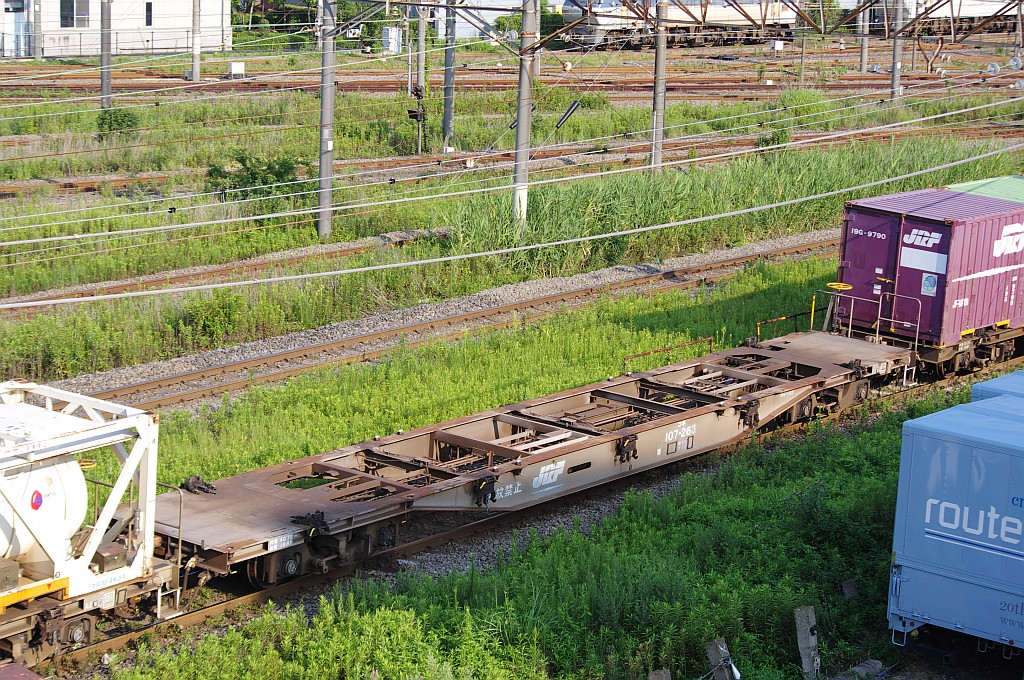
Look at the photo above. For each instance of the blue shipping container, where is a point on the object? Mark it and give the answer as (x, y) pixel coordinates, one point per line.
(958, 542)
(1011, 383)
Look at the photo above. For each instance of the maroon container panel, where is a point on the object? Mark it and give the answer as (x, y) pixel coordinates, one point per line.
(956, 255)
(983, 275)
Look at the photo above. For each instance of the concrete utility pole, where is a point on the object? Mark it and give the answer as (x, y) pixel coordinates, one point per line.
(325, 193)
(421, 47)
(197, 39)
(862, 28)
(803, 55)
(37, 29)
(658, 112)
(105, 97)
(897, 50)
(448, 121)
(408, 51)
(524, 122)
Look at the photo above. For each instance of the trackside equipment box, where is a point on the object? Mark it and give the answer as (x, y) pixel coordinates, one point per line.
(958, 542)
(1011, 383)
(953, 260)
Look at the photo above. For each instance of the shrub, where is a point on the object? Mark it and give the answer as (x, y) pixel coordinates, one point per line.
(116, 121)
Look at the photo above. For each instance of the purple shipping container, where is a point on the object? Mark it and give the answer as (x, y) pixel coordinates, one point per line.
(958, 254)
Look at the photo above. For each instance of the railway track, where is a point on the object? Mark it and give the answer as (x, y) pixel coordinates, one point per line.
(469, 80)
(8, 191)
(279, 366)
(236, 268)
(464, 531)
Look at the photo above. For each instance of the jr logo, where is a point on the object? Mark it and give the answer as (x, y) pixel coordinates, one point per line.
(1011, 241)
(548, 474)
(922, 237)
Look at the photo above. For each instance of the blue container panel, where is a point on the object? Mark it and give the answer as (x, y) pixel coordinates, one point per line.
(959, 529)
(958, 605)
(1010, 384)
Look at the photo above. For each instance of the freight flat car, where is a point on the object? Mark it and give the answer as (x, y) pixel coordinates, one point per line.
(909, 262)
(937, 270)
(321, 512)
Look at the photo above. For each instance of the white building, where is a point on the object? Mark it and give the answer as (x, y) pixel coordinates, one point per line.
(70, 28)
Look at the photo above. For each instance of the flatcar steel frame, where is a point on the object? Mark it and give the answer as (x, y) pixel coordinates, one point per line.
(321, 512)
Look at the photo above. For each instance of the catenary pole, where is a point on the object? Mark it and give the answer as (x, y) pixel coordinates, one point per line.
(421, 47)
(524, 112)
(803, 57)
(658, 111)
(897, 50)
(326, 169)
(197, 39)
(862, 28)
(37, 29)
(448, 120)
(105, 74)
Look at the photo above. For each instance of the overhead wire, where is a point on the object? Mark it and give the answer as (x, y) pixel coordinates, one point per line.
(813, 116)
(512, 249)
(603, 173)
(621, 135)
(234, 231)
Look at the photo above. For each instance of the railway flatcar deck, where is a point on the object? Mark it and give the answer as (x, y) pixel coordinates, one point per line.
(324, 511)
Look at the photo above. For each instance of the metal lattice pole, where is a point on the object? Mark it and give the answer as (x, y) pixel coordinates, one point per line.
(448, 120)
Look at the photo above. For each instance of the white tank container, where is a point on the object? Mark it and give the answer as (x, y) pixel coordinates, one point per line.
(54, 490)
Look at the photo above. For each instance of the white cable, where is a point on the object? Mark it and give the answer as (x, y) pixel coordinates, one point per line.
(603, 173)
(191, 86)
(484, 156)
(510, 250)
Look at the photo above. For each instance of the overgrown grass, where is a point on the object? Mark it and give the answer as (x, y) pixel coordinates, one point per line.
(728, 554)
(183, 134)
(98, 337)
(333, 408)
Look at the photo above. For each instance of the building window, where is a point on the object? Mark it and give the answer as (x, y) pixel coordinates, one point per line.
(149, 14)
(74, 13)
(14, 5)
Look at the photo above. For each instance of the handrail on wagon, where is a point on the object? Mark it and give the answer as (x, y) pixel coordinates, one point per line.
(795, 317)
(709, 340)
(839, 291)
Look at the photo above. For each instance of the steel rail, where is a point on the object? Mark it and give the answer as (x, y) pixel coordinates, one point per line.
(410, 548)
(351, 343)
(158, 281)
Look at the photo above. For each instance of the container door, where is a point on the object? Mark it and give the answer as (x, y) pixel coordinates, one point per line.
(868, 265)
(923, 254)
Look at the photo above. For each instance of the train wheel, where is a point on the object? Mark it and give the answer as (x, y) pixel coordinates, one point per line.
(264, 572)
(254, 571)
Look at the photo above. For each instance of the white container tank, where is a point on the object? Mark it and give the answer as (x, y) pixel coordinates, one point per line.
(55, 491)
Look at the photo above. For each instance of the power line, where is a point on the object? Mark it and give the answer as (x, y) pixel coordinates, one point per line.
(440, 175)
(604, 173)
(513, 249)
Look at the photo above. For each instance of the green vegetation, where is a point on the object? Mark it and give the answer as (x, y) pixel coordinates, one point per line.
(184, 134)
(726, 554)
(111, 122)
(97, 337)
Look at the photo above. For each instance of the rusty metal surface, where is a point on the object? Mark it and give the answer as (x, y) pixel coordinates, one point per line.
(15, 671)
(522, 454)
